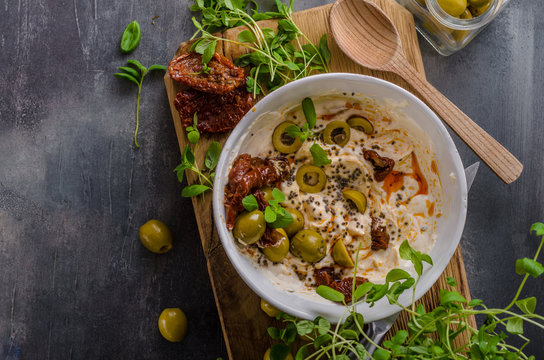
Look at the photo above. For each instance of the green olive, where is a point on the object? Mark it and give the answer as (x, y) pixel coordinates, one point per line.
(453, 7)
(362, 124)
(282, 141)
(156, 236)
(308, 245)
(478, 10)
(267, 193)
(269, 309)
(297, 224)
(311, 178)
(249, 227)
(358, 198)
(173, 324)
(336, 133)
(341, 255)
(466, 15)
(267, 355)
(478, 3)
(278, 253)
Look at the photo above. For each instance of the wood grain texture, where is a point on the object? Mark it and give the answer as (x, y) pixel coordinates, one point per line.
(366, 35)
(244, 324)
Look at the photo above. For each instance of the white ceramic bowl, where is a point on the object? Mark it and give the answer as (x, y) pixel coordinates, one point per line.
(452, 176)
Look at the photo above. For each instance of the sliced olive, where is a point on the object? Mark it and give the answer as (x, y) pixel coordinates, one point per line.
(297, 224)
(267, 355)
(359, 199)
(269, 309)
(282, 141)
(278, 253)
(173, 324)
(336, 132)
(249, 227)
(361, 123)
(156, 236)
(311, 178)
(341, 255)
(308, 245)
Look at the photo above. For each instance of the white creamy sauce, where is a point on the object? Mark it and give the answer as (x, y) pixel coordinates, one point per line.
(407, 213)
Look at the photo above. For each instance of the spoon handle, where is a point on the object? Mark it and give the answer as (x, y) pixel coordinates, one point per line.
(500, 160)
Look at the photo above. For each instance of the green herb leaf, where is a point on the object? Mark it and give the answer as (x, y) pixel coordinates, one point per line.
(381, 354)
(329, 293)
(293, 131)
(128, 77)
(131, 71)
(322, 340)
(194, 190)
(136, 63)
(278, 195)
(209, 52)
(273, 332)
(283, 218)
(131, 37)
(269, 215)
(324, 49)
(362, 290)
(246, 36)
(250, 203)
(305, 327)
(193, 136)
(448, 297)
(319, 155)
(538, 228)
(212, 155)
(529, 266)
(396, 274)
(475, 302)
(188, 156)
(303, 352)
(279, 351)
(451, 281)
(515, 326)
(157, 67)
(527, 306)
(349, 334)
(309, 112)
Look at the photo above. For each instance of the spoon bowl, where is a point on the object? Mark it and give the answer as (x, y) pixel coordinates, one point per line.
(367, 35)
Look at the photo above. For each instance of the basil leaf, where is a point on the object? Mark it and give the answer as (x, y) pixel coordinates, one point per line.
(309, 112)
(362, 290)
(278, 195)
(319, 155)
(127, 77)
(250, 203)
(527, 306)
(448, 297)
(157, 67)
(131, 71)
(269, 215)
(193, 136)
(329, 293)
(538, 228)
(283, 218)
(194, 190)
(246, 36)
(529, 266)
(209, 52)
(212, 155)
(131, 37)
(293, 131)
(396, 274)
(515, 326)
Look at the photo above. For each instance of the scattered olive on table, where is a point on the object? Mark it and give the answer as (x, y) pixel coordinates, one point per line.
(156, 236)
(173, 324)
(267, 355)
(269, 309)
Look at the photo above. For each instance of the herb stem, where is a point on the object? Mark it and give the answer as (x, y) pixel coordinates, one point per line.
(138, 111)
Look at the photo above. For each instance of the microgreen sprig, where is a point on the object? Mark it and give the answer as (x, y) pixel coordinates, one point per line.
(431, 333)
(136, 74)
(274, 214)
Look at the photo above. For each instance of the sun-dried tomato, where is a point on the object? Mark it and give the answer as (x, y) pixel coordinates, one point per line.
(345, 286)
(247, 174)
(379, 236)
(221, 77)
(324, 276)
(382, 165)
(215, 113)
(270, 238)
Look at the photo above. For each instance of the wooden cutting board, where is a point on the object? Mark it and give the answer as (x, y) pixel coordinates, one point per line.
(243, 323)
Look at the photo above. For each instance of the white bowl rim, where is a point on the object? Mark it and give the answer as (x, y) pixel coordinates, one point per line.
(265, 290)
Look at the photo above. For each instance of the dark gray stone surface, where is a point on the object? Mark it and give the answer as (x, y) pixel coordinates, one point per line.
(75, 281)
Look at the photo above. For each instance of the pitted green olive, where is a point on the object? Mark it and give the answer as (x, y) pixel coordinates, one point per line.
(156, 236)
(308, 245)
(362, 124)
(478, 3)
(358, 198)
(453, 7)
(278, 253)
(282, 141)
(173, 324)
(336, 133)
(341, 255)
(311, 178)
(267, 355)
(297, 224)
(267, 193)
(249, 227)
(466, 15)
(478, 10)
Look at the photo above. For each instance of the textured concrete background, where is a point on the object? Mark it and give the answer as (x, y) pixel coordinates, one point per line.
(75, 281)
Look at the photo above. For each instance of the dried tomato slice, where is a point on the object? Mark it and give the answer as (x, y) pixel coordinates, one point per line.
(379, 236)
(345, 286)
(382, 165)
(223, 76)
(216, 113)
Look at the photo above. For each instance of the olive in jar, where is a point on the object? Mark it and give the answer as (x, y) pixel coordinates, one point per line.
(308, 245)
(297, 224)
(155, 236)
(277, 253)
(453, 7)
(336, 133)
(282, 141)
(249, 227)
(311, 178)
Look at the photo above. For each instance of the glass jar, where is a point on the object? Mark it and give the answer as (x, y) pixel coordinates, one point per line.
(448, 34)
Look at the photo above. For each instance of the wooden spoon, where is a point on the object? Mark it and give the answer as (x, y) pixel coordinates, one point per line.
(365, 34)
